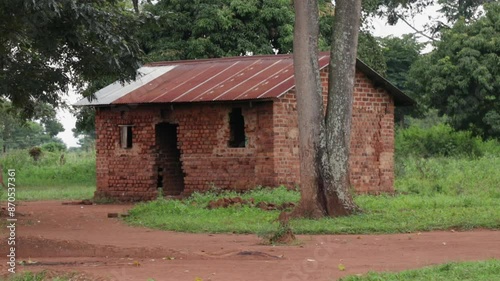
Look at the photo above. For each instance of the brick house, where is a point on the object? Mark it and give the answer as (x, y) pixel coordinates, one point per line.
(231, 123)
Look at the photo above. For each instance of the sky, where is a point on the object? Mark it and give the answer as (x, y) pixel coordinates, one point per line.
(68, 121)
(381, 29)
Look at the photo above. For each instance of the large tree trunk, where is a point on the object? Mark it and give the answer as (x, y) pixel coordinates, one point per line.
(324, 147)
(310, 108)
(135, 3)
(339, 110)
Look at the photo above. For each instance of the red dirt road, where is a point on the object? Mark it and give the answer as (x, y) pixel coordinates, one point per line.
(81, 238)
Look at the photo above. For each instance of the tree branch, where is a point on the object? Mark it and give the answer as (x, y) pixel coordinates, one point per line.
(416, 30)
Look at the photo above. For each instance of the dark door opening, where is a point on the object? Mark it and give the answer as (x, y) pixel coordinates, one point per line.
(170, 176)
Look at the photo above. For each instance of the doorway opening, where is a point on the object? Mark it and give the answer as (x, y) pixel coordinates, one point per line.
(169, 169)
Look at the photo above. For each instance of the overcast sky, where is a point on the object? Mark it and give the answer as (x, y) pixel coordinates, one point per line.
(381, 29)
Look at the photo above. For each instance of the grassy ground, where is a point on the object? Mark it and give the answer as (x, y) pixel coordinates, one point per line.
(435, 193)
(431, 194)
(44, 276)
(47, 178)
(465, 271)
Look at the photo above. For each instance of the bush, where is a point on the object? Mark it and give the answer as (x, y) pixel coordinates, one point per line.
(437, 141)
(35, 153)
(54, 147)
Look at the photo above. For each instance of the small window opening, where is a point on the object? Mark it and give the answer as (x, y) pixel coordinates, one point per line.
(126, 136)
(237, 128)
(159, 179)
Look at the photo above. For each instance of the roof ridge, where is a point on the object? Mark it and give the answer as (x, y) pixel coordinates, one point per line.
(214, 60)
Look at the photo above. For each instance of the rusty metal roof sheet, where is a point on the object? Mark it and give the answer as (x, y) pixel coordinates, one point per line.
(223, 79)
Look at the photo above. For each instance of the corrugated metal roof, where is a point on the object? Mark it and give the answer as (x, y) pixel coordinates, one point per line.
(223, 79)
(114, 91)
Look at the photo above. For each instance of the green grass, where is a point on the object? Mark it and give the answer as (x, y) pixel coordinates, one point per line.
(449, 176)
(461, 271)
(47, 179)
(37, 276)
(32, 193)
(431, 194)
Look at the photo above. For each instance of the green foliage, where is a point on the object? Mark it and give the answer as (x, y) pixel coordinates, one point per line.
(369, 50)
(47, 179)
(35, 153)
(47, 45)
(432, 194)
(191, 29)
(438, 140)
(16, 132)
(458, 271)
(54, 147)
(394, 10)
(461, 77)
(85, 127)
(371, 53)
(400, 54)
(85, 121)
(454, 10)
(448, 176)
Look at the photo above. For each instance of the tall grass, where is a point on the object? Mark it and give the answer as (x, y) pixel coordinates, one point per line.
(49, 178)
(478, 178)
(78, 168)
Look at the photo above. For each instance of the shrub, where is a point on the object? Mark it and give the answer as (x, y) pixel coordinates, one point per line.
(54, 147)
(35, 153)
(437, 141)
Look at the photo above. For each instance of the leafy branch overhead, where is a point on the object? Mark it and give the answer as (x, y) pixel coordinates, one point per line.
(46, 46)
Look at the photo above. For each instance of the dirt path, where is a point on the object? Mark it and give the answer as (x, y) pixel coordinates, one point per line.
(81, 238)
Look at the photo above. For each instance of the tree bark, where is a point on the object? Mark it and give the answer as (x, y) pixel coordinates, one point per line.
(310, 108)
(135, 3)
(325, 141)
(339, 110)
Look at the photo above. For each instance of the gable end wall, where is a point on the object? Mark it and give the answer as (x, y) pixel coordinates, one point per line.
(372, 137)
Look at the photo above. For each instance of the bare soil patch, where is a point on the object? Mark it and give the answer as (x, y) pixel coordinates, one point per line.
(81, 238)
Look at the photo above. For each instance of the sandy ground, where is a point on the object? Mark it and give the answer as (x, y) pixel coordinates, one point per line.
(82, 238)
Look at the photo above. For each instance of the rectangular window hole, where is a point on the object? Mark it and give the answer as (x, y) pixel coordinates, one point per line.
(126, 136)
(237, 136)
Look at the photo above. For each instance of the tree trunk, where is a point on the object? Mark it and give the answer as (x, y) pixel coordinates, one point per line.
(310, 108)
(135, 3)
(339, 110)
(325, 141)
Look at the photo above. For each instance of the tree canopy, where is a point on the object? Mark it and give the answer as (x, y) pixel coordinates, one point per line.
(399, 55)
(189, 29)
(15, 132)
(180, 29)
(461, 77)
(47, 45)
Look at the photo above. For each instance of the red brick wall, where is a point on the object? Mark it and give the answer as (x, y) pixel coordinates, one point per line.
(125, 173)
(286, 140)
(203, 134)
(372, 137)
